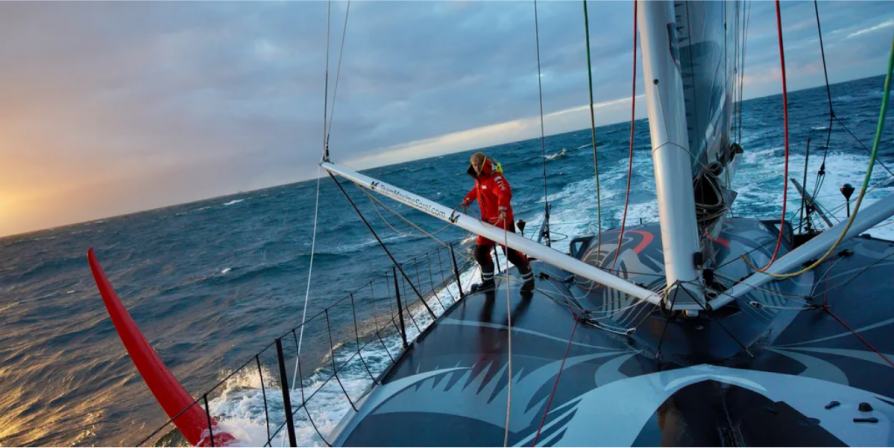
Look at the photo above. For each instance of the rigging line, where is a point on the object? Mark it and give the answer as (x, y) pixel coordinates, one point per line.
(325, 156)
(839, 285)
(558, 375)
(387, 252)
(875, 144)
(781, 294)
(508, 333)
(718, 321)
(666, 323)
(862, 144)
(542, 132)
(326, 90)
(593, 134)
(431, 235)
(828, 310)
(310, 269)
(819, 31)
(632, 128)
(785, 125)
(823, 277)
(341, 52)
(374, 201)
(746, 23)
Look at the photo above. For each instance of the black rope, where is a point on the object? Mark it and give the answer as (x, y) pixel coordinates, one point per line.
(305, 400)
(334, 368)
(341, 52)
(399, 268)
(542, 132)
(826, 73)
(431, 282)
(372, 295)
(264, 395)
(443, 279)
(409, 312)
(357, 335)
(326, 89)
(863, 145)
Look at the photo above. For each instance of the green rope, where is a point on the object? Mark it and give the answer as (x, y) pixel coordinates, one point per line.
(593, 132)
(872, 157)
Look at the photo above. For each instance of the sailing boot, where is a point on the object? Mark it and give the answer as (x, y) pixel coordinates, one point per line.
(527, 275)
(482, 256)
(487, 281)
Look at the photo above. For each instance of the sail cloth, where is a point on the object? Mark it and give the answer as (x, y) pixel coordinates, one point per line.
(706, 32)
(706, 55)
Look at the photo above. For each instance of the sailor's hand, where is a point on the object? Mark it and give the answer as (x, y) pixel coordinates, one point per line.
(501, 217)
(464, 205)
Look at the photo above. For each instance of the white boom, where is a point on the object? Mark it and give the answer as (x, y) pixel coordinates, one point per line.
(524, 245)
(868, 217)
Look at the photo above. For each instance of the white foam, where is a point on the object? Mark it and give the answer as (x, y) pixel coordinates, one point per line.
(225, 270)
(556, 155)
(240, 407)
(235, 201)
(761, 190)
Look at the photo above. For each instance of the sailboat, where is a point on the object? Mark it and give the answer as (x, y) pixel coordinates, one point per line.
(699, 329)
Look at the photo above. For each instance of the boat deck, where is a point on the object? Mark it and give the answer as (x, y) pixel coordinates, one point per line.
(450, 388)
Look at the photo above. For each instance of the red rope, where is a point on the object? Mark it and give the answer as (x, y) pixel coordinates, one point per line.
(826, 307)
(785, 125)
(632, 127)
(556, 384)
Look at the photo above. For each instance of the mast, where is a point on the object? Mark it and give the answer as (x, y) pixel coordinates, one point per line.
(670, 151)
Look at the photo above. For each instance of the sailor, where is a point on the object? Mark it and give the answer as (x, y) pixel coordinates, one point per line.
(493, 194)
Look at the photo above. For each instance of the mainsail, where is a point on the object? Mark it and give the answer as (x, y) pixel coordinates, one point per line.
(707, 43)
(707, 35)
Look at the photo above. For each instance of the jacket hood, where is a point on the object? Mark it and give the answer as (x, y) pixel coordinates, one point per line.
(487, 169)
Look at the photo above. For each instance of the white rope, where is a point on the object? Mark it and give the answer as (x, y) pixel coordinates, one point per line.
(508, 335)
(375, 201)
(313, 242)
(431, 235)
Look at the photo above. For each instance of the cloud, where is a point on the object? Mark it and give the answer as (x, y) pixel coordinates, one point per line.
(880, 26)
(211, 98)
(566, 120)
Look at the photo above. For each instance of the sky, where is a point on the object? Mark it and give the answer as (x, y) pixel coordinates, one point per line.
(109, 108)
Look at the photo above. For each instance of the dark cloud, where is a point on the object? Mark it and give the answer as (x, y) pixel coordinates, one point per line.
(213, 98)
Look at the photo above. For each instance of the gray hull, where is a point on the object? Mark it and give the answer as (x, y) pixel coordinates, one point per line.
(749, 374)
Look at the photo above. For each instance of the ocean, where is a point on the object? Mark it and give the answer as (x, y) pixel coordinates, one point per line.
(213, 282)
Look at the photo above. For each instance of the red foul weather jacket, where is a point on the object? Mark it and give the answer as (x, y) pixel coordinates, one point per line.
(493, 193)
